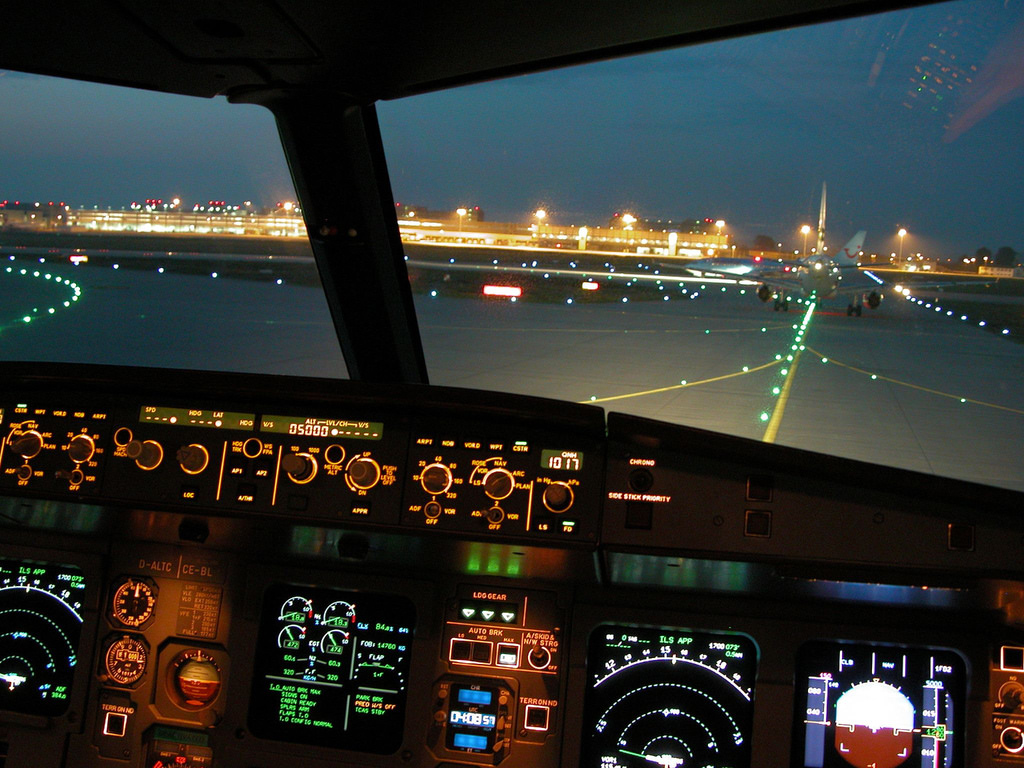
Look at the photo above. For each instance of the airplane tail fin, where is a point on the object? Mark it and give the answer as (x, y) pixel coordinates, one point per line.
(848, 255)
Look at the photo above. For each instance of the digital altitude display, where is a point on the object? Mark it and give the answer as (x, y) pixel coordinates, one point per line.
(314, 427)
(571, 461)
(41, 611)
(879, 705)
(669, 697)
(332, 668)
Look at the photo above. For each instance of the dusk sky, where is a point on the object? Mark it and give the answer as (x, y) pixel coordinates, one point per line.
(745, 130)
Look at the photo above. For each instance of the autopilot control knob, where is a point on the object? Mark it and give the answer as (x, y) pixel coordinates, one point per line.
(499, 484)
(193, 458)
(147, 454)
(27, 444)
(558, 497)
(363, 472)
(81, 448)
(300, 467)
(436, 479)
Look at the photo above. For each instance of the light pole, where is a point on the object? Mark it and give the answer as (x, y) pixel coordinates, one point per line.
(628, 220)
(540, 214)
(462, 214)
(902, 233)
(805, 230)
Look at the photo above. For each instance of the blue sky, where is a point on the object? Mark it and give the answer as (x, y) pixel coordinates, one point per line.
(744, 130)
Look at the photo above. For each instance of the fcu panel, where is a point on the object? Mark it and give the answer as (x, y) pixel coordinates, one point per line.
(530, 470)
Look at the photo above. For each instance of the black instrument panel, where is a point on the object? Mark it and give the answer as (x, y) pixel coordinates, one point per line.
(332, 624)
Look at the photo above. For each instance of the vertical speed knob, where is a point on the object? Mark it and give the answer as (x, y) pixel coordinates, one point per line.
(147, 454)
(363, 473)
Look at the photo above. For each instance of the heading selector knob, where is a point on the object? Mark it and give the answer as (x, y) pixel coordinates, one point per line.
(81, 448)
(27, 444)
(558, 497)
(147, 455)
(436, 479)
(300, 467)
(193, 458)
(499, 484)
(363, 473)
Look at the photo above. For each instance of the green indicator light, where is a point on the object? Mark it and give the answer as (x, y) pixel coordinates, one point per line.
(764, 416)
(775, 390)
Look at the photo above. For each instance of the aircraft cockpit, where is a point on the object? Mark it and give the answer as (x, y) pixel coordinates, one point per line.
(354, 472)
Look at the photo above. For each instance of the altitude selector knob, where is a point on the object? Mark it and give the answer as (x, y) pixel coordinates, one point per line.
(147, 455)
(558, 497)
(499, 484)
(363, 473)
(27, 444)
(300, 467)
(436, 479)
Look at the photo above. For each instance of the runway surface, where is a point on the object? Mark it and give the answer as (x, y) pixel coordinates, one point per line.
(905, 385)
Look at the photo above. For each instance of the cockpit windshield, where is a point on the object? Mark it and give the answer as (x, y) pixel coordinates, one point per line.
(809, 237)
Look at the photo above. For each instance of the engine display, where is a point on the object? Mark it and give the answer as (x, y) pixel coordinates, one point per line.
(40, 626)
(670, 697)
(878, 705)
(332, 668)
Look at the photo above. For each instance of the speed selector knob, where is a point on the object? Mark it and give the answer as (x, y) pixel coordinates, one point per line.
(81, 448)
(558, 497)
(363, 473)
(27, 444)
(300, 467)
(499, 484)
(193, 458)
(436, 479)
(147, 454)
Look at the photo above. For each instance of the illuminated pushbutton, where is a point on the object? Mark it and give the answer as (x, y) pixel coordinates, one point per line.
(193, 458)
(558, 497)
(147, 454)
(300, 467)
(436, 479)
(252, 448)
(122, 437)
(27, 444)
(81, 448)
(363, 473)
(499, 484)
(334, 454)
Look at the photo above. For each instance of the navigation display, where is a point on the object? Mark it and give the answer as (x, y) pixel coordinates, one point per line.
(668, 697)
(332, 668)
(878, 705)
(40, 626)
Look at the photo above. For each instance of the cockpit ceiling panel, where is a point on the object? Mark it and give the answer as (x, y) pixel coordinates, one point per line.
(369, 51)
